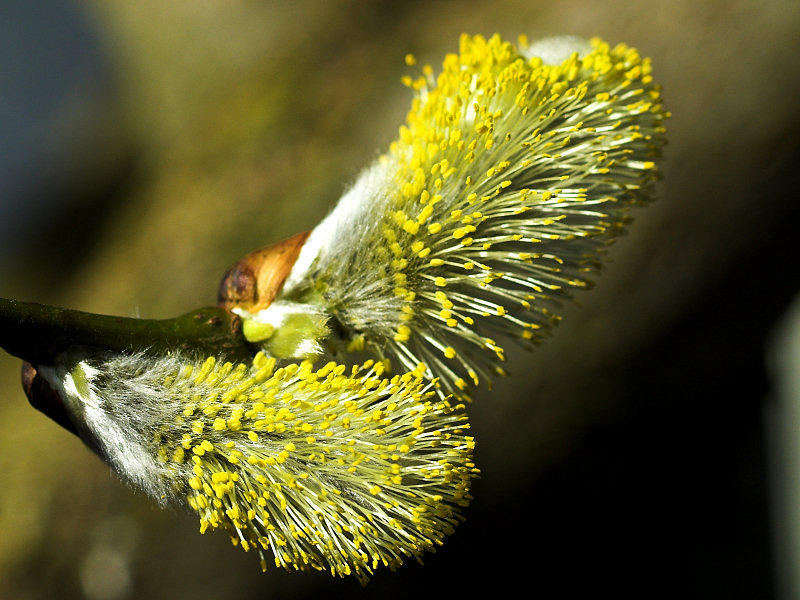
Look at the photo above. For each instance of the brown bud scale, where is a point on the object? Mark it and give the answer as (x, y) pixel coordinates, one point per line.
(254, 281)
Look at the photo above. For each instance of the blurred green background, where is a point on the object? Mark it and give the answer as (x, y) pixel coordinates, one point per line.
(145, 146)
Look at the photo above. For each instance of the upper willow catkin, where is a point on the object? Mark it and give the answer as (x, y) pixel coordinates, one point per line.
(510, 177)
(324, 468)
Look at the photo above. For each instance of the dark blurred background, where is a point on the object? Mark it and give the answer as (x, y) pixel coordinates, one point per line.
(648, 450)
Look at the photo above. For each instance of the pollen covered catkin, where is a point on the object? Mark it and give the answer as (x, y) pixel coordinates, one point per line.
(516, 167)
(323, 468)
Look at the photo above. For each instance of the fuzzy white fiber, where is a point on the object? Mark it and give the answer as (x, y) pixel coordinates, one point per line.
(119, 404)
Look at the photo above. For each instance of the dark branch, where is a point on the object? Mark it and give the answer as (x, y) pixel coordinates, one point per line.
(38, 333)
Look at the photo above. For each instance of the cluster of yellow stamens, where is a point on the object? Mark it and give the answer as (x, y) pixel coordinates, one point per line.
(507, 182)
(327, 469)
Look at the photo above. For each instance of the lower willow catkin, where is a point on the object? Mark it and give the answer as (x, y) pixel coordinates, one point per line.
(327, 469)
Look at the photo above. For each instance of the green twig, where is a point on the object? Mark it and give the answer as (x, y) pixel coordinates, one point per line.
(38, 333)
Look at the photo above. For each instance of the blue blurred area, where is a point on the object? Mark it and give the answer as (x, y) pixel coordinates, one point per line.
(56, 95)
